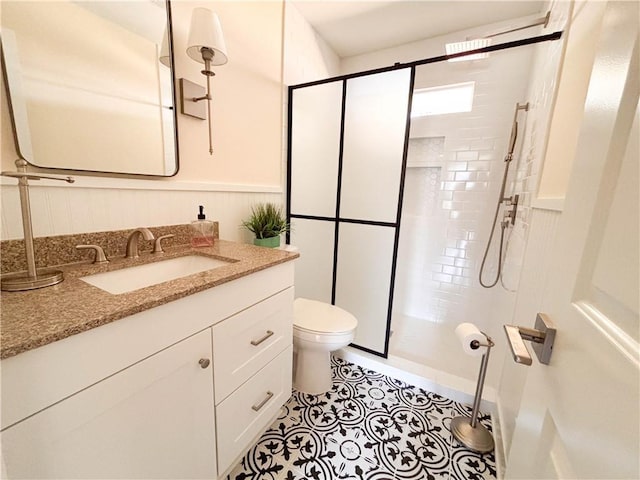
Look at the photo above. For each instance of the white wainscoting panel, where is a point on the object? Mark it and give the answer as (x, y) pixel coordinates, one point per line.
(533, 281)
(61, 210)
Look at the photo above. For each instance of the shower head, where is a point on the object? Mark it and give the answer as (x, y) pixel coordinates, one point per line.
(514, 130)
(485, 41)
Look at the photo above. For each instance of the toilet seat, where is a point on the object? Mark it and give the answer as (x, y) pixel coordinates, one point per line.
(313, 317)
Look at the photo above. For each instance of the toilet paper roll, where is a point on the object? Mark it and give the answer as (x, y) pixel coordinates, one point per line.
(467, 333)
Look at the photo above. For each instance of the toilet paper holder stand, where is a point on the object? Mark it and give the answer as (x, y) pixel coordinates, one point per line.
(469, 431)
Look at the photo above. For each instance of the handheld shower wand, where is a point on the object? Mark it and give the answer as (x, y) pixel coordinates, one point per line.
(512, 201)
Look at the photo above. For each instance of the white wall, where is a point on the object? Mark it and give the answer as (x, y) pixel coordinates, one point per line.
(307, 57)
(572, 91)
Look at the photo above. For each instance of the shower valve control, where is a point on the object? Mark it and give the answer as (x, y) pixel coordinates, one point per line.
(510, 213)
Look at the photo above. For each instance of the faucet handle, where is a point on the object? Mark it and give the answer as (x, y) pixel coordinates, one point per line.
(100, 256)
(157, 246)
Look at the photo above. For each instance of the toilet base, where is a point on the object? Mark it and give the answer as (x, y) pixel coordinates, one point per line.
(312, 371)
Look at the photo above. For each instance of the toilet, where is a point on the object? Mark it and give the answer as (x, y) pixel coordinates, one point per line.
(318, 330)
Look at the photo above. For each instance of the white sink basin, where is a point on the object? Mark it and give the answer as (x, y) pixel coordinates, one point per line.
(132, 278)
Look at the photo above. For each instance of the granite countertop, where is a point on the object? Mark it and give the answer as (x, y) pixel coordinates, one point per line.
(35, 318)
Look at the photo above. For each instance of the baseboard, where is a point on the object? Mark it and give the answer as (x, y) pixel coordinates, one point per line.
(500, 453)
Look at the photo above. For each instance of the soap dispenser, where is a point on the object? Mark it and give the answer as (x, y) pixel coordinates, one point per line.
(202, 231)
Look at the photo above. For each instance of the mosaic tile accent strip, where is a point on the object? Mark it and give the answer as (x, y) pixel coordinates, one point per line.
(367, 427)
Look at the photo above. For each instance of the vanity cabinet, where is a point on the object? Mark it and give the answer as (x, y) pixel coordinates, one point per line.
(178, 391)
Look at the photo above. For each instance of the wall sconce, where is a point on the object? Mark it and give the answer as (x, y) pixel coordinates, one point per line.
(205, 45)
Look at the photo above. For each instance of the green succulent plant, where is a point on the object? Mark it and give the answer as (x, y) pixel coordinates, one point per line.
(267, 220)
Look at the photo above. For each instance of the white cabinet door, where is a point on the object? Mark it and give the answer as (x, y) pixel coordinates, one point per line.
(154, 419)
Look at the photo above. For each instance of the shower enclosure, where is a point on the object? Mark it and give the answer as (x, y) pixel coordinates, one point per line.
(392, 181)
(346, 167)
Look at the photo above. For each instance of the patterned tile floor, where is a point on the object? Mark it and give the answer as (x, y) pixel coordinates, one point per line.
(368, 427)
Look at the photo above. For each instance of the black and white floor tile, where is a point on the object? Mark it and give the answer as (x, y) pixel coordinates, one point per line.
(368, 427)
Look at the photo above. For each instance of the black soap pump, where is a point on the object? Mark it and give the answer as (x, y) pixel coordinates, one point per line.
(202, 231)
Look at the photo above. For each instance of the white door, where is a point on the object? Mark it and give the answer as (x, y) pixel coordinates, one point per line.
(579, 415)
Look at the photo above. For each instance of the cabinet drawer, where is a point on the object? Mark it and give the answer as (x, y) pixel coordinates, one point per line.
(250, 409)
(246, 342)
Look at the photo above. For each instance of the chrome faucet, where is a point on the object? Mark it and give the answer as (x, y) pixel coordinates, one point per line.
(132, 241)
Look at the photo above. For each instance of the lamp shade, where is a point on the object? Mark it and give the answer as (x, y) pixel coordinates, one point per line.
(206, 32)
(164, 58)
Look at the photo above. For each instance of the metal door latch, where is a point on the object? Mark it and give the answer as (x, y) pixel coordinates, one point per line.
(541, 337)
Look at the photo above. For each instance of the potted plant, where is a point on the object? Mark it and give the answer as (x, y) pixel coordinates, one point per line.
(267, 223)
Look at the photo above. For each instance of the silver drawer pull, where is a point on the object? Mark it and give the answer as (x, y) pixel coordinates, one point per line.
(258, 342)
(261, 404)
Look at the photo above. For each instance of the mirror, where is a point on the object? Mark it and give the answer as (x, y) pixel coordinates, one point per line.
(90, 84)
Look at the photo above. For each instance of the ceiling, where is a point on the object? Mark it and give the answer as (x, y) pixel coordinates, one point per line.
(353, 27)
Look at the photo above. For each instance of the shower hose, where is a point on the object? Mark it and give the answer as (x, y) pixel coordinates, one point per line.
(503, 226)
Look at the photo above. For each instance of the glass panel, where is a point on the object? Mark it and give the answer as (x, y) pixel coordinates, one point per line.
(374, 133)
(89, 85)
(314, 268)
(315, 144)
(365, 258)
(452, 184)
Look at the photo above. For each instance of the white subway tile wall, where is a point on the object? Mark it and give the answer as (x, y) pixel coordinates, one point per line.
(438, 288)
(443, 283)
(425, 152)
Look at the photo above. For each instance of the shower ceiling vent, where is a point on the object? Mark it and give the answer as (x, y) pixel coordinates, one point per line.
(467, 46)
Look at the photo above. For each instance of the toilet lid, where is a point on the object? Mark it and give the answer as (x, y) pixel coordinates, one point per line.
(321, 317)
